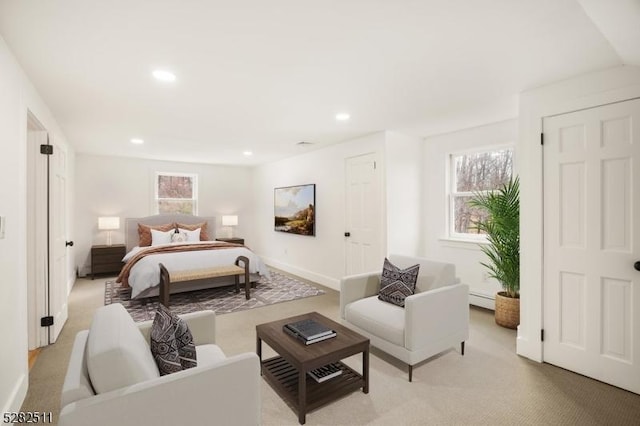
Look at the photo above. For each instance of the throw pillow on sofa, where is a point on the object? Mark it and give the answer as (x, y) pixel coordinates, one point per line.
(171, 342)
(396, 284)
(184, 340)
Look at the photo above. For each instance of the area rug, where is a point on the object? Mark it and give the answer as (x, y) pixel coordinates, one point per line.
(222, 300)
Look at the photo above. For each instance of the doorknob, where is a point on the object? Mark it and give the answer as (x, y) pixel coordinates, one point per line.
(69, 244)
(347, 234)
(637, 265)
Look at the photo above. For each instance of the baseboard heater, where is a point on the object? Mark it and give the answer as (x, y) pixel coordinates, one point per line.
(482, 300)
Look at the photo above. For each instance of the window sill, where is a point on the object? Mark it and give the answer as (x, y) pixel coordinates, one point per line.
(462, 243)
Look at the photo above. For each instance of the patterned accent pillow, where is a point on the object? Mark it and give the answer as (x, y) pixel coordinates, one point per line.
(164, 346)
(144, 232)
(171, 342)
(186, 348)
(396, 284)
(179, 237)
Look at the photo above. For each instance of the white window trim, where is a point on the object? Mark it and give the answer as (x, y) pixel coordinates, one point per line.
(194, 178)
(461, 243)
(457, 238)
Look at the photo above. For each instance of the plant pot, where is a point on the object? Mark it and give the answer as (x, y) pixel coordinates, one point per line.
(507, 310)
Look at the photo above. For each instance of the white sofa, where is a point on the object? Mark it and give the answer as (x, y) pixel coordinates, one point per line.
(432, 321)
(112, 378)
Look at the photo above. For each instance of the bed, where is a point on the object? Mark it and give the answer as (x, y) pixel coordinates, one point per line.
(142, 273)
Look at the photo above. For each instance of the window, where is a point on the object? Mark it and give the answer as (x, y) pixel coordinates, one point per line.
(471, 173)
(176, 193)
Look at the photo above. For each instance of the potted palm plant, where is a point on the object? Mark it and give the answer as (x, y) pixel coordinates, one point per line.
(502, 228)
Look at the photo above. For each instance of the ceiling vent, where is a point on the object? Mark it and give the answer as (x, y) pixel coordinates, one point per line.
(304, 143)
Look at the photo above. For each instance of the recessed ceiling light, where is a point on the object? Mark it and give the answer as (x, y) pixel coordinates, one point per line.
(247, 153)
(163, 75)
(137, 141)
(343, 116)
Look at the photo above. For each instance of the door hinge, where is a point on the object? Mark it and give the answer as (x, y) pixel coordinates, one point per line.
(542, 335)
(46, 149)
(541, 138)
(46, 321)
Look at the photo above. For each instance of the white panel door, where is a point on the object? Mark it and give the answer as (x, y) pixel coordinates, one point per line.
(37, 268)
(58, 287)
(363, 215)
(591, 239)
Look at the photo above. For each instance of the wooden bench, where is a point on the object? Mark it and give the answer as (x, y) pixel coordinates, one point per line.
(166, 277)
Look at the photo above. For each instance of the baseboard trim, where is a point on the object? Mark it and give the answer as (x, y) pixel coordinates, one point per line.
(17, 396)
(83, 271)
(482, 300)
(306, 274)
(59, 321)
(528, 349)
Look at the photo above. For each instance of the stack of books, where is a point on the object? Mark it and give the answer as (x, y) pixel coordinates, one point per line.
(309, 331)
(325, 373)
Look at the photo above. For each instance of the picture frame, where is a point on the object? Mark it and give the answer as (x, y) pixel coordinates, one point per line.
(295, 209)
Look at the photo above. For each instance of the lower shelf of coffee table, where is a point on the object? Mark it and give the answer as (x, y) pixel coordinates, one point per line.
(283, 377)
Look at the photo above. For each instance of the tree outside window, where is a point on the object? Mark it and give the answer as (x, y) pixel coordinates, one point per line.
(475, 172)
(176, 193)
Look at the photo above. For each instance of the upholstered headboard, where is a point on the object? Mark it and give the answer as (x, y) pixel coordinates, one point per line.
(131, 225)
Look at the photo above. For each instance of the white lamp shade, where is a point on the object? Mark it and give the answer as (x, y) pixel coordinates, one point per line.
(230, 220)
(108, 223)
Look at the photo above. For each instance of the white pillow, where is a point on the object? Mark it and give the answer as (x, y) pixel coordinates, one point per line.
(160, 237)
(191, 235)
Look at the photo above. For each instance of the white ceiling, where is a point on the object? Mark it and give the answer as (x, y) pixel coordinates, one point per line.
(263, 75)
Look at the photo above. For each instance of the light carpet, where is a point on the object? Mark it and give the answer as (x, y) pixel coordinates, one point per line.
(222, 300)
(489, 385)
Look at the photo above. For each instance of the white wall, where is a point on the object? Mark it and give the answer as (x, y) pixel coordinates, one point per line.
(466, 256)
(584, 91)
(17, 96)
(320, 258)
(124, 187)
(403, 165)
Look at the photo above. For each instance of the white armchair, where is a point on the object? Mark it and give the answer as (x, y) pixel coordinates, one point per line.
(112, 378)
(433, 320)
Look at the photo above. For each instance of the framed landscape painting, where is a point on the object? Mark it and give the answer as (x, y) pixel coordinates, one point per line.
(295, 209)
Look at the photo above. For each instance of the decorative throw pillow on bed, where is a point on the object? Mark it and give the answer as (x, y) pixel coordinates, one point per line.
(171, 342)
(161, 237)
(144, 232)
(191, 235)
(204, 232)
(179, 237)
(396, 284)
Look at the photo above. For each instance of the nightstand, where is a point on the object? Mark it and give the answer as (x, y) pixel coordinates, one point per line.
(232, 240)
(107, 259)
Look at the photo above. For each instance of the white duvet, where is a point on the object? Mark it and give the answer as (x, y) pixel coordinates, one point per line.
(146, 274)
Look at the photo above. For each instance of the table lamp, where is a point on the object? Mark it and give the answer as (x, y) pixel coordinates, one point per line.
(108, 224)
(230, 221)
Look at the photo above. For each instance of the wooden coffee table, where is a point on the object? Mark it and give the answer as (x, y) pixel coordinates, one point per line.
(287, 373)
